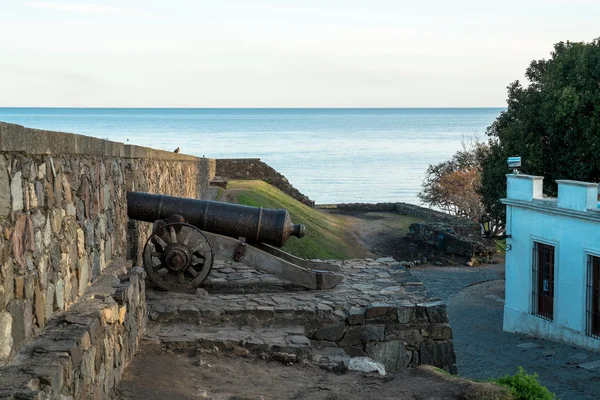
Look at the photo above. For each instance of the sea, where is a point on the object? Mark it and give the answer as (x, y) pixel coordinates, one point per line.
(330, 155)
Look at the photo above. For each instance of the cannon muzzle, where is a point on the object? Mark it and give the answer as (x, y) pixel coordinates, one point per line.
(255, 224)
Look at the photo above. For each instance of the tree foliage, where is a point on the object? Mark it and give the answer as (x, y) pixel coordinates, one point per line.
(553, 123)
(452, 185)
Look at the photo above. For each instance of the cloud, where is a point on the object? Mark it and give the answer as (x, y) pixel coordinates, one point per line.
(90, 8)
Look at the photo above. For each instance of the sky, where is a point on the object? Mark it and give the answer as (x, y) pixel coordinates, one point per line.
(278, 53)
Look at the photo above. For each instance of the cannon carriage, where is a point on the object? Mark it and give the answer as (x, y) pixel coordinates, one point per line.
(187, 234)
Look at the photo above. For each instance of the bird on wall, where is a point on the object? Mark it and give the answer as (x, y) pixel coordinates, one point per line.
(177, 150)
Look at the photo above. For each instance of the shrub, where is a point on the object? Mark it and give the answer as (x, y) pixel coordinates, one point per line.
(525, 387)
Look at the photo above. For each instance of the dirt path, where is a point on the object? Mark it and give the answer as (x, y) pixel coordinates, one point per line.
(160, 374)
(380, 233)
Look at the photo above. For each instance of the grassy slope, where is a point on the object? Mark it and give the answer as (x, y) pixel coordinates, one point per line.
(325, 233)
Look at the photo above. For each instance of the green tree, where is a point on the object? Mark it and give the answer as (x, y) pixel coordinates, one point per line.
(553, 123)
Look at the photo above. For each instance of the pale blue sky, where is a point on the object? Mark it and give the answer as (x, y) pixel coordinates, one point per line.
(328, 53)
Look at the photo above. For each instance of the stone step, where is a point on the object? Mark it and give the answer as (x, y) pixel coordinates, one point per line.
(285, 344)
(280, 342)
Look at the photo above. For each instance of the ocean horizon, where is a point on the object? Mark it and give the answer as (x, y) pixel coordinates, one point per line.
(332, 155)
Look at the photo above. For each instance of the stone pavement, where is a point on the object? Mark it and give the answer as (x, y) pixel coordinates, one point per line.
(381, 310)
(484, 351)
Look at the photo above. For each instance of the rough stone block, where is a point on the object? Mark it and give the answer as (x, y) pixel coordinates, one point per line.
(440, 355)
(376, 310)
(6, 340)
(393, 355)
(16, 191)
(440, 332)
(436, 312)
(59, 294)
(110, 313)
(406, 314)
(357, 335)
(22, 318)
(19, 287)
(331, 332)
(84, 274)
(410, 335)
(356, 316)
(40, 306)
(49, 374)
(5, 201)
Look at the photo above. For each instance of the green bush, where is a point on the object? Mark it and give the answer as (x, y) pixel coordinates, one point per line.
(525, 387)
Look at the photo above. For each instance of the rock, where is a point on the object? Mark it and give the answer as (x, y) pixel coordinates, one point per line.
(440, 332)
(356, 316)
(439, 355)
(19, 286)
(59, 294)
(16, 191)
(240, 352)
(330, 332)
(300, 340)
(5, 201)
(286, 358)
(22, 318)
(356, 335)
(393, 354)
(406, 313)
(375, 310)
(365, 364)
(6, 340)
(49, 300)
(436, 312)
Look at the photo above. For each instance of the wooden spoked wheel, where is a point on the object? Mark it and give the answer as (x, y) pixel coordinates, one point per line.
(178, 257)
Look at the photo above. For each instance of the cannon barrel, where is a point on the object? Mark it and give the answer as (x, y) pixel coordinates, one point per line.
(256, 224)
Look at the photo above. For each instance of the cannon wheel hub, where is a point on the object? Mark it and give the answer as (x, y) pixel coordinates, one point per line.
(177, 256)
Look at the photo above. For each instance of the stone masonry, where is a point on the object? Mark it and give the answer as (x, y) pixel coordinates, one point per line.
(380, 311)
(63, 223)
(83, 352)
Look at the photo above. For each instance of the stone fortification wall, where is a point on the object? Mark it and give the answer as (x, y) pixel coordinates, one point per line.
(253, 168)
(84, 351)
(63, 218)
(426, 214)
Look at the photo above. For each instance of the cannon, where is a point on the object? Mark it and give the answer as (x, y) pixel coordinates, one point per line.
(187, 234)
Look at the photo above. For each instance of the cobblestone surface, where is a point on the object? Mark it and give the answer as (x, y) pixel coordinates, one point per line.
(380, 310)
(234, 288)
(484, 351)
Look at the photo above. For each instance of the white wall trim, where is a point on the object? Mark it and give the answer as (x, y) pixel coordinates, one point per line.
(552, 208)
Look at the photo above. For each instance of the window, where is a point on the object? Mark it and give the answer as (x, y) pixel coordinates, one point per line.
(593, 297)
(543, 281)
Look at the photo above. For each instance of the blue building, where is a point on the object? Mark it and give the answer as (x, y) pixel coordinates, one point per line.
(553, 261)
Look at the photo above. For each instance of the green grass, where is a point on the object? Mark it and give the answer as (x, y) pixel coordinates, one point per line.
(325, 233)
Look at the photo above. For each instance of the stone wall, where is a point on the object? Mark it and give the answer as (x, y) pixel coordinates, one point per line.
(83, 353)
(380, 310)
(253, 168)
(63, 218)
(463, 225)
(444, 237)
